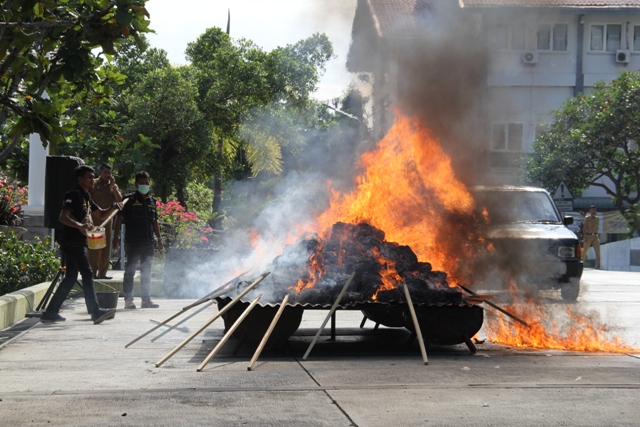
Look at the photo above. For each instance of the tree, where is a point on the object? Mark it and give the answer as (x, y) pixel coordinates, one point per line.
(594, 136)
(240, 83)
(52, 52)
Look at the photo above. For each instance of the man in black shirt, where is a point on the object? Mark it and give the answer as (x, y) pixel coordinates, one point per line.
(140, 219)
(74, 216)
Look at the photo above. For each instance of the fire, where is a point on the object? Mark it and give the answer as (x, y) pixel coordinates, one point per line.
(408, 189)
(576, 332)
(316, 270)
(390, 277)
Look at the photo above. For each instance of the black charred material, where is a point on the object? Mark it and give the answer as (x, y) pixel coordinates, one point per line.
(313, 271)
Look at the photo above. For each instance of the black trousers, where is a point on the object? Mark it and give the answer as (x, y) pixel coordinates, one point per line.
(77, 262)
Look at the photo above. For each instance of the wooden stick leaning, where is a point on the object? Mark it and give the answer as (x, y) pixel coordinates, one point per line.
(416, 325)
(228, 334)
(115, 211)
(215, 293)
(183, 329)
(219, 291)
(333, 309)
(176, 326)
(268, 333)
(501, 310)
(210, 321)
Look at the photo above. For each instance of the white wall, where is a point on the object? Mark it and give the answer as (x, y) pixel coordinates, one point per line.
(616, 255)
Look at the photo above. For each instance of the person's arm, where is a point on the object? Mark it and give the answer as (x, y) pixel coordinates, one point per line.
(156, 231)
(115, 191)
(100, 213)
(67, 219)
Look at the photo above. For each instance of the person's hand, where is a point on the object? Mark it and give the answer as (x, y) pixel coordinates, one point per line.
(118, 205)
(86, 227)
(116, 243)
(160, 245)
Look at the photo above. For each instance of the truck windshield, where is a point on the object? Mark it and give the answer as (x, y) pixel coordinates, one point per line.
(502, 207)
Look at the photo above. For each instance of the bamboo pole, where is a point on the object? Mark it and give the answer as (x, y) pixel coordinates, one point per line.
(501, 310)
(210, 321)
(228, 334)
(333, 309)
(112, 214)
(219, 293)
(183, 329)
(171, 328)
(268, 333)
(416, 325)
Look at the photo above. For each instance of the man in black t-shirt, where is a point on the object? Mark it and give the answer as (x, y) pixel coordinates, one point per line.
(73, 244)
(140, 218)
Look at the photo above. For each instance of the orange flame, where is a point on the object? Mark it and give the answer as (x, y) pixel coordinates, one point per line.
(577, 332)
(409, 190)
(390, 276)
(316, 270)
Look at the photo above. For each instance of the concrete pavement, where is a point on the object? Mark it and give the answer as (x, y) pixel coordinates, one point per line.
(77, 373)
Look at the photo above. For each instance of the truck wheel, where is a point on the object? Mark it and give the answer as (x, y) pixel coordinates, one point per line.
(570, 291)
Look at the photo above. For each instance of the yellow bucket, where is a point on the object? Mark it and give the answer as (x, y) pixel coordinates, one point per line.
(96, 238)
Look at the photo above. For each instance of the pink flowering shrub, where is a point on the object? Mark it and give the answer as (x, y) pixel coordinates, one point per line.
(181, 228)
(12, 197)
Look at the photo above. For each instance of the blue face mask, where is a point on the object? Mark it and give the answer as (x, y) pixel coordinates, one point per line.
(143, 189)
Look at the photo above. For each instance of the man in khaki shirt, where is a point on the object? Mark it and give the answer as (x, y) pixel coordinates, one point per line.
(105, 192)
(590, 232)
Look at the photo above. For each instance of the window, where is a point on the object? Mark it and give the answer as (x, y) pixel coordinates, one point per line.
(607, 37)
(614, 33)
(560, 37)
(507, 136)
(506, 145)
(510, 37)
(552, 37)
(636, 37)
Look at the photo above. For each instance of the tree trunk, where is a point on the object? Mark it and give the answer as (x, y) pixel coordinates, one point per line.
(217, 189)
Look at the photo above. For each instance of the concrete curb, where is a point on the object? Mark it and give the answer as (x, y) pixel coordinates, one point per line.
(15, 305)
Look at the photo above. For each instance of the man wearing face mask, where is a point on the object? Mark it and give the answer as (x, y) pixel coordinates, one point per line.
(140, 218)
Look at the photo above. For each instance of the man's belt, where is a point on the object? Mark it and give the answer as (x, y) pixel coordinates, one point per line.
(591, 234)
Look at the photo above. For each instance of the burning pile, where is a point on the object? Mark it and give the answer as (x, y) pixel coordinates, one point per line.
(314, 270)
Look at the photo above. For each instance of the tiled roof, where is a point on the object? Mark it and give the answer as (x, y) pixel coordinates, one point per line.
(394, 14)
(553, 3)
(389, 14)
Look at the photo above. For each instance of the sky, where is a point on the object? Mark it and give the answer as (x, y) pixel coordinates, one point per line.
(268, 23)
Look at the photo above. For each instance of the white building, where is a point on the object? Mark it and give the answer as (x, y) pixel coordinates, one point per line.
(539, 53)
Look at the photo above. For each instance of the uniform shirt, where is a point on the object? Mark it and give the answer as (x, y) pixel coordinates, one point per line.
(591, 224)
(139, 215)
(103, 194)
(80, 204)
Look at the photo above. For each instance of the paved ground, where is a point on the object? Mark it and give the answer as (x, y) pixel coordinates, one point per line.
(77, 373)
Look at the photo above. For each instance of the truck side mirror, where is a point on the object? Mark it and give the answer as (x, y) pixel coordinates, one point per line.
(568, 220)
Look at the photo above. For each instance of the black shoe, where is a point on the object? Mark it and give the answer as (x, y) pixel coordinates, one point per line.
(104, 277)
(50, 318)
(148, 304)
(103, 314)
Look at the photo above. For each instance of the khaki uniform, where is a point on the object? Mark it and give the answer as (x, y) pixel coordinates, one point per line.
(591, 238)
(103, 196)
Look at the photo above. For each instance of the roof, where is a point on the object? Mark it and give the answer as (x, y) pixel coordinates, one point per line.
(612, 4)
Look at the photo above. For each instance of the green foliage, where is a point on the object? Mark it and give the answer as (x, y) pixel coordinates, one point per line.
(183, 229)
(52, 54)
(594, 136)
(12, 197)
(23, 264)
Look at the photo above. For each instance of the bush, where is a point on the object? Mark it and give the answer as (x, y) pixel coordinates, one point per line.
(12, 197)
(181, 228)
(23, 264)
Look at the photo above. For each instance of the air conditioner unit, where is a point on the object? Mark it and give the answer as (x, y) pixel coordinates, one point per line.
(623, 56)
(530, 57)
